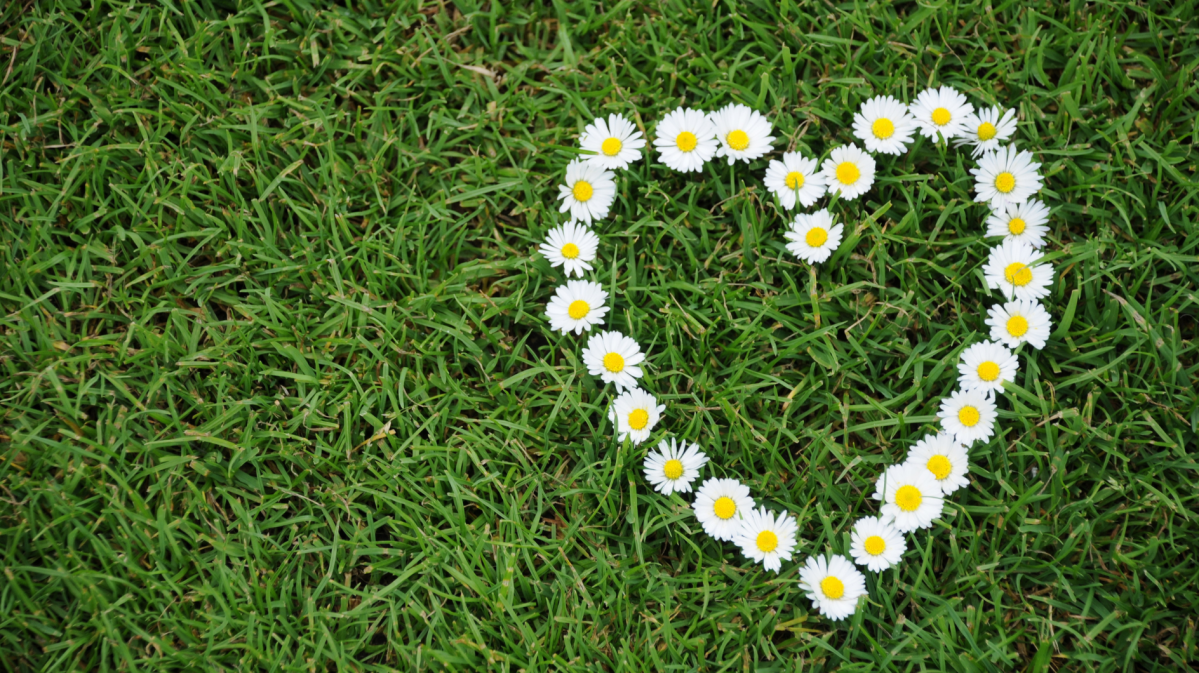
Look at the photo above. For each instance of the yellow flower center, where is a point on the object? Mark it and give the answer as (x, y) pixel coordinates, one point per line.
(968, 416)
(582, 191)
(673, 469)
(940, 467)
(882, 129)
(1005, 182)
(724, 507)
(638, 419)
(908, 498)
(614, 363)
(988, 371)
(875, 545)
(816, 237)
(685, 141)
(848, 173)
(1018, 274)
(1016, 226)
(767, 541)
(737, 140)
(578, 309)
(986, 131)
(1017, 326)
(941, 116)
(794, 180)
(570, 251)
(611, 147)
(832, 587)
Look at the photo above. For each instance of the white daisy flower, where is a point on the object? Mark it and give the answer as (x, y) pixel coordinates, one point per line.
(743, 133)
(987, 129)
(588, 192)
(1025, 222)
(1005, 176)
(911, 497)
(986, 366)
(720, 504)
(635, 413)
(884, 125)
(673, 467)
(1011, 268)
(943, 111)
(1020, 321)
(616, 143)
(833, 585)
(570, 246)
(876, 543)
(968, 415)
(765, 538)
(795, 179)
(614, 357)
(577, 306)
(813, 237)
(944, 458)
(849, 170)
(686, 140)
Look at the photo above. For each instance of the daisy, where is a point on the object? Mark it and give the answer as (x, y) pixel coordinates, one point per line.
(833, 585)
(849, 171)
(911, 497)
(673, 467)
(813, 237)
(635, 413)
(571, 246)
(968, 415)
(795, 179)
(614, 357)
(1020, 321)
(1024, 222)
(884, 125)
(743, 133)
(685, 139)
(1005, 176)
(943, 111)
(616, 144)
(588, 192)
(720, 504)
(876, 543)
(765, 538)
(577, 306)
(986, 366)
(942, 457)
(986, 130)
(1011, 267)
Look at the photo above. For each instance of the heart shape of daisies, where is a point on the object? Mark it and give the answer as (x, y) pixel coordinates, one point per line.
(912, 494)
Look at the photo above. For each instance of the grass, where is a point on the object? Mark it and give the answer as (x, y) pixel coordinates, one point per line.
(277, 391)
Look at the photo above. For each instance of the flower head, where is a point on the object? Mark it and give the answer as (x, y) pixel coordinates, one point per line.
(833, 584)
(884, 125)
(766, 538)
(635, 413)
(577, 306)
(685, 139)
(673, 466)
(570, 246)
(743, 133)
(720, 504)
(616, 143)
(794, 179)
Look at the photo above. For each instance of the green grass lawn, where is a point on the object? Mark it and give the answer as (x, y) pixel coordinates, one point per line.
(277, 391)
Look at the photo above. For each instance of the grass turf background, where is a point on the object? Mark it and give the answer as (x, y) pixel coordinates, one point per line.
(278, 393)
